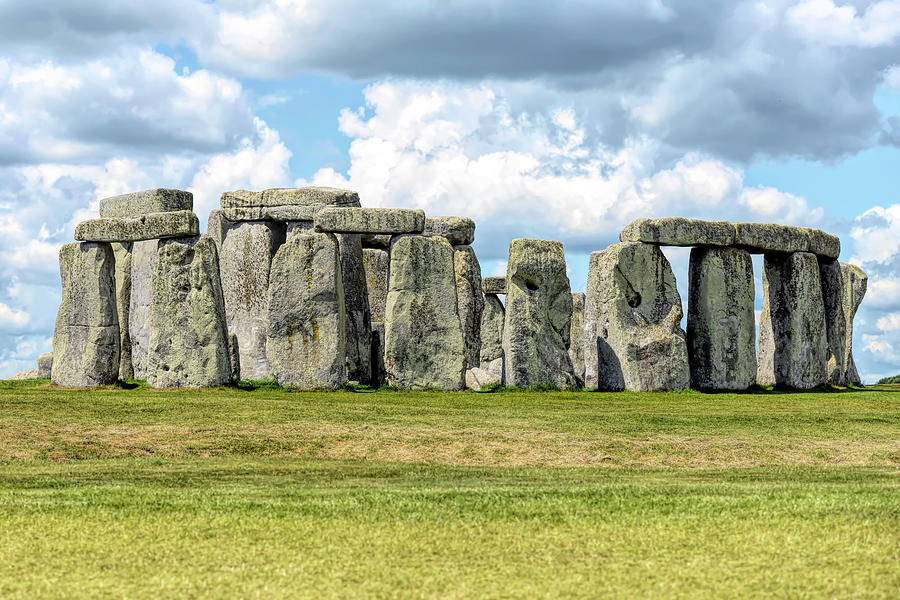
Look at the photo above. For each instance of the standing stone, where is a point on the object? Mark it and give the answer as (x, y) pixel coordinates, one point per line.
(86, 336)
(216, 227)
(855, 282)
(143, 263)
(423, 346)
(245, 261)
(376, 263)
(538, 315)
(356, 307)
(378, 371)
(45, 365)
(122, 253)
(306, 340)
(470, 301)
(721, 328)
(188, 330)
(835, 321)
(792, 339)
(492, 329)
(633, 336)
(576, 336)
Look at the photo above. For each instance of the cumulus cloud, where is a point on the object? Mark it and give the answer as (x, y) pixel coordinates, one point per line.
(841, 25)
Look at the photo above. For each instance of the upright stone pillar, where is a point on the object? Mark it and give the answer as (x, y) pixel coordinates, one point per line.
(245, 262)
(576, 337)
(792, 338)
(470, 301)
(189, 345)
(86, 336)
(633, 338)
(424, 345)
(356, 306)
(122, 253)
(307, 340)
(376, 263)
(538, 315)
(721, 327)
(492, 334)
(835, 321)
(143, 263)
(854, 282)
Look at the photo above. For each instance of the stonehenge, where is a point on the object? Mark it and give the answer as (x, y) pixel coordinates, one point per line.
(310, 288)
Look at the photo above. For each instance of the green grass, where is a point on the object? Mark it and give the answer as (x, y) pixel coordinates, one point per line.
(260, 492)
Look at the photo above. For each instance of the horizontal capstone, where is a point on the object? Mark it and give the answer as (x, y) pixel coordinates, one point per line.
(147, 227)
(493, 285)
(459, 231)
(145, 202)
(370, 220)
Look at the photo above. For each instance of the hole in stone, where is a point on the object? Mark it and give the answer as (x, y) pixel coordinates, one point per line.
(634, 300)
(531, 285)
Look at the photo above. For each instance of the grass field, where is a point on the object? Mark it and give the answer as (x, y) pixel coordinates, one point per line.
(268, 493)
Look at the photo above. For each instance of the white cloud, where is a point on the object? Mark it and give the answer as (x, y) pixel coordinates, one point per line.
(890, 322)
(822, 21)
(13, 316)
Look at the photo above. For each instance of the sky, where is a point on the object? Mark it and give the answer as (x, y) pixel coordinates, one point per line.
(558, 120)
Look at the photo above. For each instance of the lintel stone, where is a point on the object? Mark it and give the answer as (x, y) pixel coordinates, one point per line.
(679, 231)
(155, 200)
(493, 285)
(370, 220)
(459, 231)
(152, 226)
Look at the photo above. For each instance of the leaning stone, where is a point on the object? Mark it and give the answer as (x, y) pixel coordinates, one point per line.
(678, 231)
(835, 321)
(284, 204)
(45, 365)
(538, 315)
(492, 329)
(633, 338)
(188, 331)
(459, 231)
(854, 282)
(356, 308)
(823, 244)
(137, 204)
(761, 238)
(376, 263)
(792, 339)
(576, 336)
(370, 220)
(122, 253)
(147, 227)
(374, 240)
(470, 301)
(143, 264)
(24, 375)
(478, 379)
(306, 338)
(245, 262)
(721, 325)
(494, 285)
(424, 345)
(86, 336)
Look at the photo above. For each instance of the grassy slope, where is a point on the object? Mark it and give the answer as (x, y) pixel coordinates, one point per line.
(139, 492)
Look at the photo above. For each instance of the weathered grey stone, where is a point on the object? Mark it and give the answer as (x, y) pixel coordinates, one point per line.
(143, 264)
(378, 371)
(538, 315)
(375, 240)
(284, 204)
(494, 285)
(306, 340)
(424, 345)
(86, 336)
(495, 367)
(23, 375)
(245, 262)
(792, 347)
(216, 227)
(188, 330)
(122, 253)
(370, 220)
(835, 321)
(576, 336)
(721, 325)
(145, 202)
(823, 244)
(492, 318)
(761, 238)
(478, 379)
(234, 355)
(678, 231)
(376, 263)
(45, 365)
(299, 227)
(854, 282)
(633, 336)
(356, 308)
(470, 301)
(146, 227)
(459, 231)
